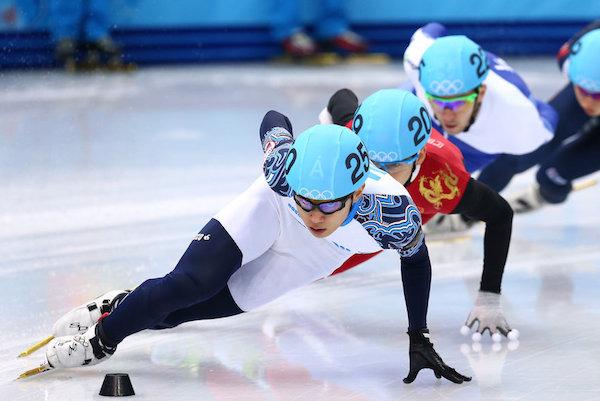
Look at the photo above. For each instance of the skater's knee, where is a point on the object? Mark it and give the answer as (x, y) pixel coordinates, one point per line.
(190, 289)
(504, 213)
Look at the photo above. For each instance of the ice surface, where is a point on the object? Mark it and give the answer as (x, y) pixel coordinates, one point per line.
(104, 180)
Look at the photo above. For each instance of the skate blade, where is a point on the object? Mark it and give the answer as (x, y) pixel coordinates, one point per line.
(35, 371)
(584, 184)
(35, 347)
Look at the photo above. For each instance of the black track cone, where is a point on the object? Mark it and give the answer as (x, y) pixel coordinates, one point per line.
(116, 385)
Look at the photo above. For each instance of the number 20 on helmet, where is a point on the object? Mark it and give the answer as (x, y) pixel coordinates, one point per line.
(394, 125)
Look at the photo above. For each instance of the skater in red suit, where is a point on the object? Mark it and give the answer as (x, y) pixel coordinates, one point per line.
(396, 128)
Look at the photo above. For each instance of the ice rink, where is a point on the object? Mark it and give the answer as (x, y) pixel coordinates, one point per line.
(105, 179)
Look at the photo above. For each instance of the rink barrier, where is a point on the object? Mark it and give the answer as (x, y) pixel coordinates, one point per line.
(177, 45)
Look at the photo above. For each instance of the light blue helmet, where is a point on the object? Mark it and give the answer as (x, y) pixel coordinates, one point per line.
(584, 62)
(394, 125)
(453, 65)
(327, 162)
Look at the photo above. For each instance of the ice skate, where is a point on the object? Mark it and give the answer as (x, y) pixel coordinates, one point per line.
(78, 320)
(73, 351)
(527, 201)
(446, 227)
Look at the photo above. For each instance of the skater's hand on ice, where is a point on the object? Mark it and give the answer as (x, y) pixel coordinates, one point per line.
(423, 356)
(487, 315)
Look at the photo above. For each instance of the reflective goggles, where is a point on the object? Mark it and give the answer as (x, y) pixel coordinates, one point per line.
(452, 103)
(328, 207)
(593, 95)
(389, 167)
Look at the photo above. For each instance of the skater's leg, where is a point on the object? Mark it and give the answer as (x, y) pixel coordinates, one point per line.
(201, 273)
(573, 160)
(221, 305)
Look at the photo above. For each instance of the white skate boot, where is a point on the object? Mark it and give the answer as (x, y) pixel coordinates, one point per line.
(78, 350)
(74, 351)
(78, 320)
(526, 201)
(447, 226)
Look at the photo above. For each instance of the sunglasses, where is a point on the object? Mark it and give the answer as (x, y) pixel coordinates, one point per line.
(452, 103)
(328, 207)
(593, 95)
(391, 166)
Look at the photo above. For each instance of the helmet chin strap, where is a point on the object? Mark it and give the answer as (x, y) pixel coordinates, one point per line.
(413, 174)
(353, 211)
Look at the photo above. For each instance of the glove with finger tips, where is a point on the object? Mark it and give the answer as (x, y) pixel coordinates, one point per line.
(423, 356)
(272, 123)
(487, 314)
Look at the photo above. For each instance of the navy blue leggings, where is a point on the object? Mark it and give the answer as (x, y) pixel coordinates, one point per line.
(570, 161)
(221, 305)
(574, 159)
(197, 289)
(196, 285)
(498, 174)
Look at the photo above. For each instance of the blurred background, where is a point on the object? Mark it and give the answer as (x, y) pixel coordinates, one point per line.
(191, 31)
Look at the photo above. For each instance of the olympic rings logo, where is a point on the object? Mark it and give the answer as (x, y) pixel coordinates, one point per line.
(316, 195)
(383, 157)
(446, 87)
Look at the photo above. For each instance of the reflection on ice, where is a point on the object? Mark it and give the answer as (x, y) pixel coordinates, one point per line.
(104, 179)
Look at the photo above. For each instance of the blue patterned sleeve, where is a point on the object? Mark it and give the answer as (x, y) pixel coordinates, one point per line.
(393, 221)
(276, 144)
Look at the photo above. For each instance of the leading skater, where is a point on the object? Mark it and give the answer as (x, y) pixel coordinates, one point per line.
(319, 202)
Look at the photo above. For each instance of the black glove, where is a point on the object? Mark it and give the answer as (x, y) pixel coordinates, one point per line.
(423, 356)
(271, 120)
(342, 106)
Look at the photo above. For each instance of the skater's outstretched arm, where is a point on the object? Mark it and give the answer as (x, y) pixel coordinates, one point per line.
(481, 203)
(484, 204)
(276, 139)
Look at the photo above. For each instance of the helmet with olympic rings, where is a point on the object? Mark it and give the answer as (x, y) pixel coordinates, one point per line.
(327, 162)
(453, 65)
(394, 125)
(584, 62)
